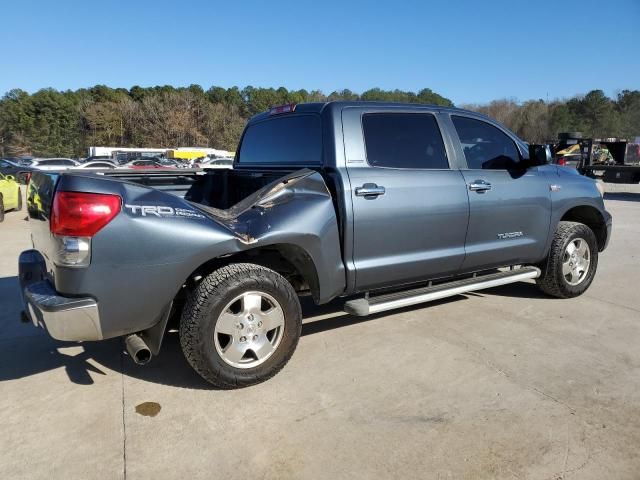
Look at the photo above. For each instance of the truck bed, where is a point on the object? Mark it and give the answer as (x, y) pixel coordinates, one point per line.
(220, 189)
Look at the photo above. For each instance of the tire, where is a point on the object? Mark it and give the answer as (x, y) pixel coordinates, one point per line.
(225, 296)
(1, 209)
(19, 207)
(553, 281)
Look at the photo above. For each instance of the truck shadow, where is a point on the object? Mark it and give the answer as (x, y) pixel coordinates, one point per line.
(26, 351)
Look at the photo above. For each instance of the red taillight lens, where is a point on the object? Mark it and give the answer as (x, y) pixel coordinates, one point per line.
(27, 177)
(78, 214)
(562, 161)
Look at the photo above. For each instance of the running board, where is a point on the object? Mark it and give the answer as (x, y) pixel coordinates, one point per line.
(367, 306)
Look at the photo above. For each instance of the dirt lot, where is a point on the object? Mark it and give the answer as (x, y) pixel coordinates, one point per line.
(505, 383)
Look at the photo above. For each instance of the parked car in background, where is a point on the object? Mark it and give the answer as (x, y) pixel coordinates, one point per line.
(54, 163)
(10, 197)
(93, 158)
(170, 163)
(98, 165)
(143, 164)
(22, 173)
(218, 163)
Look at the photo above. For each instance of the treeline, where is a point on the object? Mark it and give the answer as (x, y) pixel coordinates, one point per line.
(54, 123)
(594, 114)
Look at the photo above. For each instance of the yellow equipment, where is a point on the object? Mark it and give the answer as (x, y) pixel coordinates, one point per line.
(186, 154)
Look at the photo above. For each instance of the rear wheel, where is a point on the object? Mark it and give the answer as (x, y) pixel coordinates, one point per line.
(572, 261)
(240, 325)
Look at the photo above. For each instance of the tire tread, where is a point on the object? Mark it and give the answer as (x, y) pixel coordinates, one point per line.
(549, 281)
(199, 303)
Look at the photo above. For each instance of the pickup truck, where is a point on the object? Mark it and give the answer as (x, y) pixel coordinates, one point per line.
(383, 205)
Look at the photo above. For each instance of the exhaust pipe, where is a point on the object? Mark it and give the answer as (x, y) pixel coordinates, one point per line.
(138, 349)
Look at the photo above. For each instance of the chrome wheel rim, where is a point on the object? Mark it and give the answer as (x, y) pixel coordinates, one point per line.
(576, 261)
(249, 329)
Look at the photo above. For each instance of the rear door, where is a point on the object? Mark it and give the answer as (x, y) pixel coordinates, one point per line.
(410, 208)
(510, 206)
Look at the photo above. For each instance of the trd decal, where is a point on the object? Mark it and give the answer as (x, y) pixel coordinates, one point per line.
(162, 211)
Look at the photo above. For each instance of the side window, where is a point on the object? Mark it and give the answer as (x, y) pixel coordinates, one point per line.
(404, 140)
(485, 146)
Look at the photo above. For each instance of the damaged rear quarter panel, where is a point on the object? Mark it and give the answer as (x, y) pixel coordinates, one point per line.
(139, 262)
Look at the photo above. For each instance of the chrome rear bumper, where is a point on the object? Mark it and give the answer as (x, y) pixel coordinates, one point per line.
(65, 318)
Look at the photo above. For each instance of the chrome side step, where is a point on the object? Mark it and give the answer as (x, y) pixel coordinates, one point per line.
(381, 303)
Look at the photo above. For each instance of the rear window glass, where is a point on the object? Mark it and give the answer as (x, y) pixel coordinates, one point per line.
(286, 140)
(404, 140)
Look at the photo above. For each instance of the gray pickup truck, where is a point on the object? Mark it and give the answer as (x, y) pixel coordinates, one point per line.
(384, 205)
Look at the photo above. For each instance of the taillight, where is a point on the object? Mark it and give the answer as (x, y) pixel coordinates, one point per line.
(562, 161)
(79, 214)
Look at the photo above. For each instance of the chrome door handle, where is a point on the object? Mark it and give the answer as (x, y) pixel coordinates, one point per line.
(479, 186)
(369, 190)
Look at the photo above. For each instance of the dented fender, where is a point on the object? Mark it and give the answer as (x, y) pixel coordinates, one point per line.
(295, 210)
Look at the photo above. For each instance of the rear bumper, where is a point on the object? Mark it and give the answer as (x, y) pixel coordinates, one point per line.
(65, 318)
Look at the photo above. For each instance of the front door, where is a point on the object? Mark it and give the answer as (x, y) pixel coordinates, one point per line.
(509, 206)
(410, 209)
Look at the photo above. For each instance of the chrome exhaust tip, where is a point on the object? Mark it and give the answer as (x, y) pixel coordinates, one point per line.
(137, 349)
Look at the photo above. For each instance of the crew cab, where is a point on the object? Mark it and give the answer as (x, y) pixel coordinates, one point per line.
(383, 205)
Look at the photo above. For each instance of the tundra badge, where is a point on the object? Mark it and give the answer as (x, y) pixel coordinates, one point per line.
(504, 236)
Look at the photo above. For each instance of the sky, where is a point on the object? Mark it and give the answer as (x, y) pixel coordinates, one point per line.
(468, 51)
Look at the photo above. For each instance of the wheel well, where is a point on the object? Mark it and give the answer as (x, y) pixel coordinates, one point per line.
(290, 261)
(592, 218)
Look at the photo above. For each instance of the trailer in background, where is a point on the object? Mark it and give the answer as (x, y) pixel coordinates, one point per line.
(614, 160)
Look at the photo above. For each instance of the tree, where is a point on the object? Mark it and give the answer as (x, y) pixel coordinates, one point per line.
(65, 123)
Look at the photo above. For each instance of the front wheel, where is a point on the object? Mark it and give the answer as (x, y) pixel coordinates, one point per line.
(240, 325)
(572, 262)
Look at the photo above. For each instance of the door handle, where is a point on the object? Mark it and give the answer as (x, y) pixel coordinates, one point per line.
(369, 190)
(479, 186)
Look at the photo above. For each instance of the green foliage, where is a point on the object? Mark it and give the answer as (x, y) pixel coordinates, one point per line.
(594, 114)
(52, 123)
(65, 123)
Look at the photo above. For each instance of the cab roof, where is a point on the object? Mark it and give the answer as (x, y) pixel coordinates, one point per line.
(319, 107)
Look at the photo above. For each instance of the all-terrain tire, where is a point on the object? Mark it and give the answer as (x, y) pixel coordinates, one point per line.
(552, 281)
(204, 307)
(1, 209)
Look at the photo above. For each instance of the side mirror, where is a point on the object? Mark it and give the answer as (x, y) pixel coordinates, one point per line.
(11, 178)
(539, 155)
